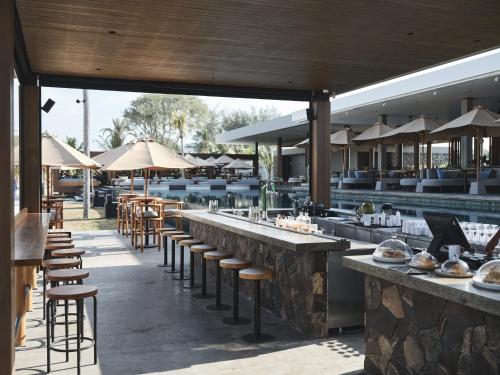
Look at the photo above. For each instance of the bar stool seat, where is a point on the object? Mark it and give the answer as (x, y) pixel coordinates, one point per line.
(59, 263)
(256, 274)
(67, 253)
(190, 242)
(202, 248)
(49, 247)
(54, 240)
(67, 293)
(217, 256)
(68, 274)
(234, 265)
(180, 237)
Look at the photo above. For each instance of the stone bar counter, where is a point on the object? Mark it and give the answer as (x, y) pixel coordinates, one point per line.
(427, 324)
(298, 290)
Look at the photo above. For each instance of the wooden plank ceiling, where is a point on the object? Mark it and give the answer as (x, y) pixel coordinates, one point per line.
(292, 44)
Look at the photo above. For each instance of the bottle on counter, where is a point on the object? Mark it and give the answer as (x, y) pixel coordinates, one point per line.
(398, 219)
(307, 222)
(383, 219)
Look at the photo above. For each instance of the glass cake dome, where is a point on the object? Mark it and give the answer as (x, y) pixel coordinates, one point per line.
(455, 267)
(393, 251)
(423, 260)
(488, 276)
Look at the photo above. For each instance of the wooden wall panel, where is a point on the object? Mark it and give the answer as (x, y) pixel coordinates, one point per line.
(30, 147)
(6, 187)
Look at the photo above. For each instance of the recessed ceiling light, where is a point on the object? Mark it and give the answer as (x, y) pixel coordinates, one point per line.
(383, 104)
(290, 82)
(97, 68)
(476, 41)
(434, 93)
(495, 79)
(410, 33)
(112, 31)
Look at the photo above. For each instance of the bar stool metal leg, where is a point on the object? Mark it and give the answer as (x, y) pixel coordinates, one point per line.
(191, 284)
(257, 336)
(66, 329)
(78, 334)
(172, 255)
(204, 294)
(95, 330)
(235, 319)
(218, 306)
(181, 266)
(47, 324)
(165, 253)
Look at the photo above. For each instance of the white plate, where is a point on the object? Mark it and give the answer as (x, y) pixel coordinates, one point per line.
(390, 260)
(452, 275)
(482, 284)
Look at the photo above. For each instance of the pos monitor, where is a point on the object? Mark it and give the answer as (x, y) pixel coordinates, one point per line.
(446, 231)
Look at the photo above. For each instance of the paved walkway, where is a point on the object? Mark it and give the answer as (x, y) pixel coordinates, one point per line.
(149, 324)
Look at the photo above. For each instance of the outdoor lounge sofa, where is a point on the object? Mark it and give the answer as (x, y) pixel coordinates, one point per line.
(441, 180)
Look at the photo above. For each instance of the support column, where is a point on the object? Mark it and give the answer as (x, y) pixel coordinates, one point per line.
(30, 156)
(466, 105)
(416, 158)
(382, 149)
(256, 160)
(6, 190)
(320, 129)
(279, 158)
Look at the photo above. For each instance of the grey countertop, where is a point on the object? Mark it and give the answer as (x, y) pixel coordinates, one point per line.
(271, 235)
(460, 291)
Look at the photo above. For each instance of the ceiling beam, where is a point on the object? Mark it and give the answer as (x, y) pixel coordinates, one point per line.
(112, 84)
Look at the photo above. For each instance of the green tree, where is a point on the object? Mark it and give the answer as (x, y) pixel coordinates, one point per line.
(153, 116)
(266, 157)
(73, 142)
(116, 136)
(204, 136)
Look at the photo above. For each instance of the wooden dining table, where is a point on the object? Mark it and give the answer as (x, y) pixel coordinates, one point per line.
(30, 236)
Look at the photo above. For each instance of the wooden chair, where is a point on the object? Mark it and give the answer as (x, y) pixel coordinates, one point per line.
(148, 220)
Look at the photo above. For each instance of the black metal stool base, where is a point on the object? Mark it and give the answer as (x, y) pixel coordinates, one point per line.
(221, 307)
(254, 339)
(189, 286)
(239, 322)
(170, 271)
(163, 265)
(204, 296)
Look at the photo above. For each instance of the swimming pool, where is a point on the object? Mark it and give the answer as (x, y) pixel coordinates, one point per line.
(284, 199)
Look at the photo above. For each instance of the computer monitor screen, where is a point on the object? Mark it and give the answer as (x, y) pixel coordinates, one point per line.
(446, 231)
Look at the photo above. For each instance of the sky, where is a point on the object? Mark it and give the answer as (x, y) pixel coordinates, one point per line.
(66, 117)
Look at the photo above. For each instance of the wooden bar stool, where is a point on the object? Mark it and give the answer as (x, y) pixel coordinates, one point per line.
(231, 264)
(172, 248)
(209, 255)
(178, 238)
(190, 244)
(69, 253)
(59, 234)
(67, 293)
(217, 256)
(234, 265)
(50, 247)
(256, 275)
(57, 240)
(163, 239)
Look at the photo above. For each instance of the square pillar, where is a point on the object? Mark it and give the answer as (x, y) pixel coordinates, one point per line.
(6, 187)
(279, 158)
(30, 156)
(319, 129)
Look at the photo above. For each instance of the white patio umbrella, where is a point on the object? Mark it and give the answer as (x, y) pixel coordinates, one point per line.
(343, 139)
(414, 131)
(238, 164)
(210, 159)
(373, 136)
(478, 123)
(222, 160)
(144, 154)
(57, 154)
(200, 163)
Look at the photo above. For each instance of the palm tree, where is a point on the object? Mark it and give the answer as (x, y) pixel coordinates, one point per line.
(73, 142)
(116, 136)
(205, 140)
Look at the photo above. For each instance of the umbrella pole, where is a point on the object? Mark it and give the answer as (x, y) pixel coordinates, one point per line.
(47, 178)
(131, 182)
(146, 183)
(478, 154)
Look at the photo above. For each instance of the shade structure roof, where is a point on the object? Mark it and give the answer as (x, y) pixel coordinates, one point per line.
(275, 44)
(373, 134)
(56, 153)
(199, 162)
(224, 159)
(210, 159)
(341, 138)
(412, 131)
(143, 154)
(238, 164)
(478, 121)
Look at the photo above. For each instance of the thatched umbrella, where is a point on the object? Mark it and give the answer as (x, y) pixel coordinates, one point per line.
(144, 154)
(238, 164)
(478, 123)
(223, 160)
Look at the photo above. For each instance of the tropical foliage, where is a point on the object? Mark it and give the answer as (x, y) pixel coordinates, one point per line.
(73, 142)
(115, 136)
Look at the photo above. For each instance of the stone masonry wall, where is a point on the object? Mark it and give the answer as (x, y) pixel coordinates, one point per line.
(297, 291)
(409, 332)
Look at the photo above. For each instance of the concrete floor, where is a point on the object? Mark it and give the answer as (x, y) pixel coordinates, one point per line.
(149, 324)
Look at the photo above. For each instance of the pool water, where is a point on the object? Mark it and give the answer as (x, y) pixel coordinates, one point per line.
(283, 199)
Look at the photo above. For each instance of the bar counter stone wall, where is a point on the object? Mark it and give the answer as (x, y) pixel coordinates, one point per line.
(410, 332)
(298, 290)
